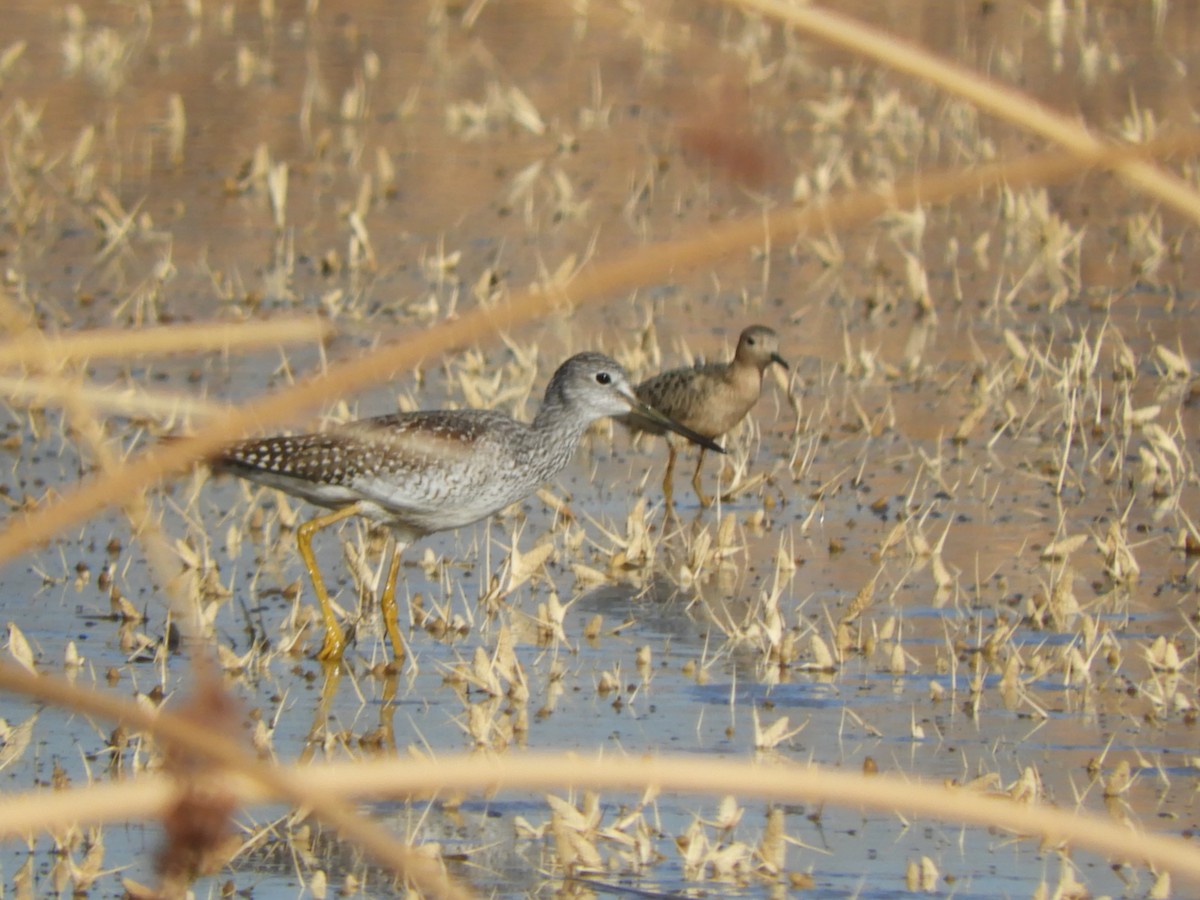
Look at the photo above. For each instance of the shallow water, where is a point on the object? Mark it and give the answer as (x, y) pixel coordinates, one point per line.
(927, 547)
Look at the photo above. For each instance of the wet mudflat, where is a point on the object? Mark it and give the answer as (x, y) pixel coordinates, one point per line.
(959, 536)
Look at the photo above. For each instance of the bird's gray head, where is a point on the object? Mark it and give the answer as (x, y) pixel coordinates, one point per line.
(759, 345)
(590, 386)
(593, 385)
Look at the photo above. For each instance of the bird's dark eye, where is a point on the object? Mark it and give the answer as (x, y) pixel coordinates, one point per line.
(603, 378)
(750, 341)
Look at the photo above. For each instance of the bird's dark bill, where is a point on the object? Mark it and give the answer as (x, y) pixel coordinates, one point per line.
(649, 412)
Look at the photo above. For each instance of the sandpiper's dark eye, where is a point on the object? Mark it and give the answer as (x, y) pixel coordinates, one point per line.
(750, 341)
(603, 378)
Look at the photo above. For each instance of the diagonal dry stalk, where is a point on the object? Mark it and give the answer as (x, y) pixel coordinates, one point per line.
(45, 356)
(187, 732)
(643, 266)
(984, 93)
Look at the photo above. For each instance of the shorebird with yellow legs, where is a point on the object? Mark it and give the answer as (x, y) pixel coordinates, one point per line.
(710, 398)
(422, 472)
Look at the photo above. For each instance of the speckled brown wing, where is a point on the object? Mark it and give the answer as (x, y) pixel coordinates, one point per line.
(679, 394)
(332, 468)
(364, 447)
(310, 457)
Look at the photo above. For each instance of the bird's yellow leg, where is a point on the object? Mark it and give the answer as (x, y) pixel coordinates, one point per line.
(387, 708)
(669, 476)
(387, 606)
(320, 720)
(704, 500)
(335, 639)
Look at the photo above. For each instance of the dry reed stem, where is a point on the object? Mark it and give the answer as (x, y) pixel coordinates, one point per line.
(114, 400)
(53, 351)
(290, 785)
(642, 266)
(379, 779)
(987, 95)
(810, 784)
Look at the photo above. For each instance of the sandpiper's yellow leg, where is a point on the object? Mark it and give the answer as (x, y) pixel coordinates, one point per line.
(319, 729)
(704, 500)
(669, 477)
(335, 639)
(387, 709)
(387, 606)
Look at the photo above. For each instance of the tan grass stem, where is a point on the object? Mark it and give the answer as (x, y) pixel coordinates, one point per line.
(109, 399)
(381, 779)
(984, 93)
(51, 351)
(638, 267)
(798, 783)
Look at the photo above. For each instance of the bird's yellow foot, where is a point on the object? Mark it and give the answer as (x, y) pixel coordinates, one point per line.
(334, 645)
(391, 615)
(397, 642)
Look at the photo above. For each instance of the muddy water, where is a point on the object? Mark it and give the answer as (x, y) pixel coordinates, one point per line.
(970, 390)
